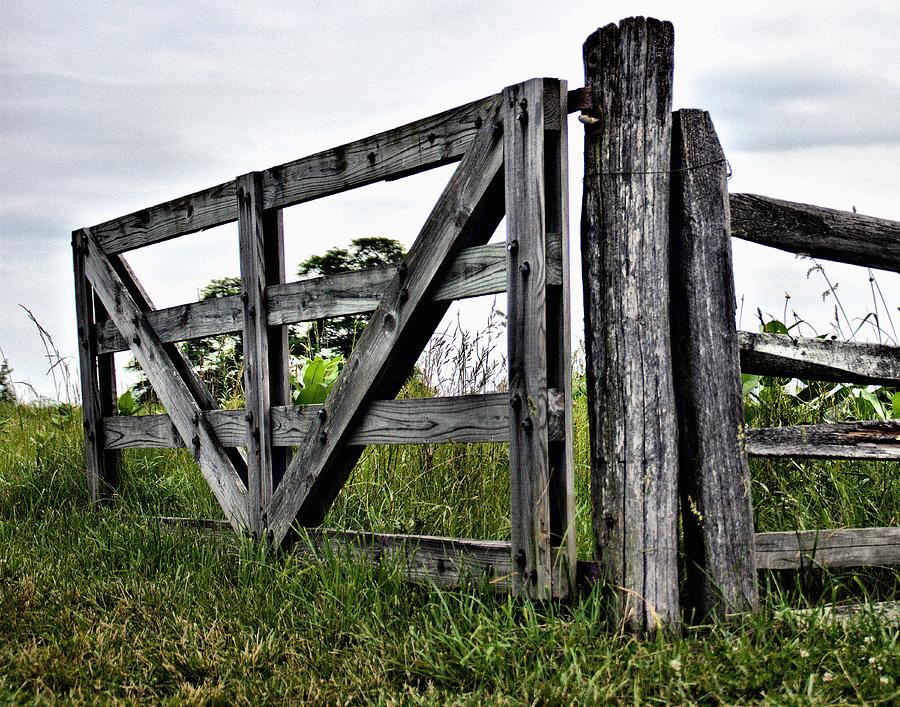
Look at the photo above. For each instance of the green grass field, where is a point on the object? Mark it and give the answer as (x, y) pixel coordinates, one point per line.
(98, 605)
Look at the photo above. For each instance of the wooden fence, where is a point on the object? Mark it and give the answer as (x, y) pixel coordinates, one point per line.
(664, 400)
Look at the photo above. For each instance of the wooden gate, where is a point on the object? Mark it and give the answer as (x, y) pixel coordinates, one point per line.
(513, 163)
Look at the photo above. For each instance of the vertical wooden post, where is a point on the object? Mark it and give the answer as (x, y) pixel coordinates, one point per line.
(93, 400)
(252, 230)
(625, 249)
(716, 507)
(559, 335)
(278, 344)
(109, 405)
(529, 464)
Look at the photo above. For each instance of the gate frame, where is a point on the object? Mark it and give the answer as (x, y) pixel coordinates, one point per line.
(512, 149)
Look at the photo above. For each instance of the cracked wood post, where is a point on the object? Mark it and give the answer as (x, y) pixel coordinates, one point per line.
(714, 484)
(625, 250)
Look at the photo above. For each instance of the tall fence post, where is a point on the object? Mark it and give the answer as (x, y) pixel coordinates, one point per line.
(625, 254)
(716, 508)
(529, 462)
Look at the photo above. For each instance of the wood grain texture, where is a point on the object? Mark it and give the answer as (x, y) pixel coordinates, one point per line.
(846, 547)
(526, 325)
(465, 418)
(816, 231)
(396, 334)
(424, 144)
(559, 333)
(714, 476)
(173, 391)
(252, 237)
(874, 440)
(92, 416)
(819, 359)
(475, 272)
(176, 358)
(625, 249)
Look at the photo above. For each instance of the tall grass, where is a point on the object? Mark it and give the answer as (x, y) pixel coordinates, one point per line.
(98, 605)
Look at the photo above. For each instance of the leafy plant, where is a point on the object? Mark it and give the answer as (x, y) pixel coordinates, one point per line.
(315, 380)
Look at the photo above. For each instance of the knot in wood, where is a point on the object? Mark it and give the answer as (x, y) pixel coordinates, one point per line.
(520, 559)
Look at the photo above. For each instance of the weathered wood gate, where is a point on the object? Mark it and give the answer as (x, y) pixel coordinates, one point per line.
(512, 151)
(663, 363)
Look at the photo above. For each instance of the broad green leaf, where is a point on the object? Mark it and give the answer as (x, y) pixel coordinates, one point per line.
(895, 405)
(749, 383)
(775, 327)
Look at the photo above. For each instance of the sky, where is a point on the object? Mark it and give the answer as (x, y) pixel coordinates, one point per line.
(109, 107)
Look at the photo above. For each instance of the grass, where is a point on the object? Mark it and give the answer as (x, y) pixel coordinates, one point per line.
(96, 605)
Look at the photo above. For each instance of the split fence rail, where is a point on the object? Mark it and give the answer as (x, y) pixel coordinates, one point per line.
(664, 400)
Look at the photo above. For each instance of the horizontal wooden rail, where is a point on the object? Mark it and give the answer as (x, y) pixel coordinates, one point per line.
(466, 418)
(424, 144)
(819, 359)
(475, 272)
(450, 562)
(876, 441)
(846, 547)
(816, 231)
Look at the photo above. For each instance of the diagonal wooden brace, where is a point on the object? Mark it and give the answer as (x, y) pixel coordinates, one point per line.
(180, 363)
(167, 381)
(468, 210)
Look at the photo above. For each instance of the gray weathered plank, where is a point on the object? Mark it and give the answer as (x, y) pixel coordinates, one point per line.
(173, 391)
(819, 359)
(559, 333)
(448, 562)
(714, 477)
(816, 231)
(845, 547)
(252, 237)
(877, 440)
(476, 271)
(625, 234)
(398, 331)
(92, 416)
(466, 418)
(526, 325)
(424, 144)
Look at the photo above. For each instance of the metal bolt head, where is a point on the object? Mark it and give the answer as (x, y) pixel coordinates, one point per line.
(512, 246)
(321, 414)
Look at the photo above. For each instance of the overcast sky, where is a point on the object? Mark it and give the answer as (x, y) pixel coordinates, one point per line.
(108, 107)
